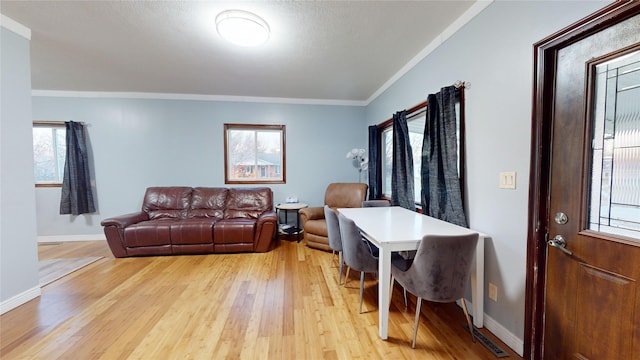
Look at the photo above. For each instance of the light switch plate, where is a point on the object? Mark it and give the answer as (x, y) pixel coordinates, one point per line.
(507, 180)
(493, 292)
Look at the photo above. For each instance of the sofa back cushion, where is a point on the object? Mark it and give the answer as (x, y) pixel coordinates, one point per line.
(248, 202)
(208, 203)
(167, 202)
(345, 195)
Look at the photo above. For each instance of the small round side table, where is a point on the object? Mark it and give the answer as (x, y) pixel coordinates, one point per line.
(285, 229)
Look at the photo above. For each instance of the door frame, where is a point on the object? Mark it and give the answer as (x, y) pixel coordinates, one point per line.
(544, 59)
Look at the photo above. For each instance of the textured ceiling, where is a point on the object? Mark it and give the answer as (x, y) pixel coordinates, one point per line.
(338, 50)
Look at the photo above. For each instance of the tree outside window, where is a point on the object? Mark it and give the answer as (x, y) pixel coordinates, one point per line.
(49, 153)
(254, 154)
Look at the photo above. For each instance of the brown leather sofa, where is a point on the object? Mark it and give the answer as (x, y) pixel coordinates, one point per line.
(337, 195)
(201, 220)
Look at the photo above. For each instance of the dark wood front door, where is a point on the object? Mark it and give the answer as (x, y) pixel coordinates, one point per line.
(585, 228)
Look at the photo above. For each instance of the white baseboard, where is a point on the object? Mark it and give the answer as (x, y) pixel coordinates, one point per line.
(19, 299)
(507, 337)
(63, 238)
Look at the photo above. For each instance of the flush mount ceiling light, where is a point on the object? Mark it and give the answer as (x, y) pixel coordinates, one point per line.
(242, 27)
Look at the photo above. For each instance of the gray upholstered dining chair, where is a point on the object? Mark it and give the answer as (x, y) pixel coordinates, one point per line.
(357, 255)
(375, 203)
(439, 272)
(335, 240)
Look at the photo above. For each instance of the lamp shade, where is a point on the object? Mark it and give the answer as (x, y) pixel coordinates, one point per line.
(242, 27)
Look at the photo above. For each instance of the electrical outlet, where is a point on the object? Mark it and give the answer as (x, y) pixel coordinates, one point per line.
(493, 292)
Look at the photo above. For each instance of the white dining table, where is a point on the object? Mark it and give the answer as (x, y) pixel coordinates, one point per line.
(398, 229)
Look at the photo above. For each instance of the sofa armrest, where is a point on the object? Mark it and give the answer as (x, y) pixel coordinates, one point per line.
(266, 228)
(123, 221)
(311, 213)
(114, 230)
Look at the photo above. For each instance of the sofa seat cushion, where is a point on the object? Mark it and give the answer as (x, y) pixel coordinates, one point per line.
(234, 231)
(149, 233)
(192, 231)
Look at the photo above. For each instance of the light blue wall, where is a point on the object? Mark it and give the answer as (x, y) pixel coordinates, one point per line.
(494, 52)
(18, 250)
(138, 143)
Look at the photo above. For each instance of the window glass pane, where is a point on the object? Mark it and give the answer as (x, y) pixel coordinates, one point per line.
(416, 137)
(387, 156)
(49, 152)
(268, 154)
(241, 153)
(254, 153)
(61, 151)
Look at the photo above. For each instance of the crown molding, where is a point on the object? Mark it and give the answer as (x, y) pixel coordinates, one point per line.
(196, 97)
(14, 26)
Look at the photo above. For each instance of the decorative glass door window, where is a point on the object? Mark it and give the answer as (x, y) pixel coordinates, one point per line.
(615, 173)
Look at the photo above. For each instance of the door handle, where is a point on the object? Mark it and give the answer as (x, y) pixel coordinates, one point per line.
(559, 243)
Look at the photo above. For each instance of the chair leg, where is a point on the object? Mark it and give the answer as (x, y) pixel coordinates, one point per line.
(415, 325)
(391, 289)
(341, 266)
(466, 314)
(346, 276)
(361, 288)
(404, 291)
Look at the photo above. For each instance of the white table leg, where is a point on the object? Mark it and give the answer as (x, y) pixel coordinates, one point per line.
(384, 280)
(477, 284)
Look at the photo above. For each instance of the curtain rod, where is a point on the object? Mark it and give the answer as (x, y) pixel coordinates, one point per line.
(48, 122)
(54, 122)
(459, 85)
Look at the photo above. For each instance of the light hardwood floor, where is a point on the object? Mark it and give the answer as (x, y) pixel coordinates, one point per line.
(284, 304)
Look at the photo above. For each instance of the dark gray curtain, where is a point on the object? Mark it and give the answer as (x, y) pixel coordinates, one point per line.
(77, 195)
(402, 186)
(374, 163)
(441, 195)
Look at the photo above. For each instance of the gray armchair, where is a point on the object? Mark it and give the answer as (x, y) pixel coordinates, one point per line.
(439, 272)
(357, 255)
